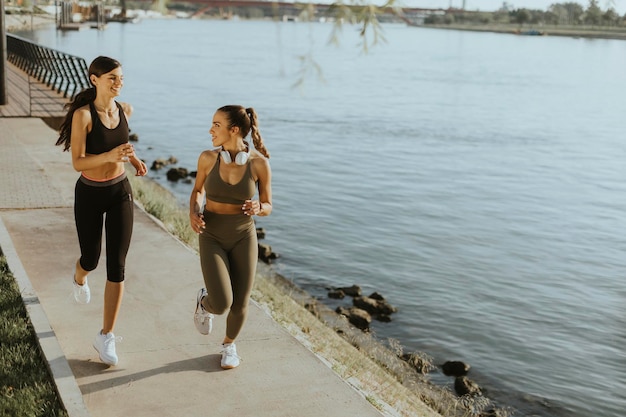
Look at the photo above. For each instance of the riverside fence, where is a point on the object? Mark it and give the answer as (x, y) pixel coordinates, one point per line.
(64, 73)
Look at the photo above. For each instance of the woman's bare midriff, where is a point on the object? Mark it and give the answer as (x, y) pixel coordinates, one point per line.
(222, 208)
(105, 172)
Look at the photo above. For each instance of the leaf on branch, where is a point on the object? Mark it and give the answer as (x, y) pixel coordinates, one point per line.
(361, 13)
(307, 66)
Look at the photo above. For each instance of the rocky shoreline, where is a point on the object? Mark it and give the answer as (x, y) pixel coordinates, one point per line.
(412, 368)
(352, 321)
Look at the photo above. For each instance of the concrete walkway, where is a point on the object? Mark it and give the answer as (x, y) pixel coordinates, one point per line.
(166, 368)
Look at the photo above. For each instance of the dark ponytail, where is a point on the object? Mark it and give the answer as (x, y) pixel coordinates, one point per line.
(257, 140)
(86, 96)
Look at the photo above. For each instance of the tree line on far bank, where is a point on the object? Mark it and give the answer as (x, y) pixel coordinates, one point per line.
(558, 14)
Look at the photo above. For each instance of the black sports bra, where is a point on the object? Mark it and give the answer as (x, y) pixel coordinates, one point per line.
(102, 139)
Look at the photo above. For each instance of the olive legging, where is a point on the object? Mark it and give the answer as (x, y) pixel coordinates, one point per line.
(228, 257)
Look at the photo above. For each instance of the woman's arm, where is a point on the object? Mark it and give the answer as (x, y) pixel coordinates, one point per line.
(196, 199)
(264, 175)
(137, 163)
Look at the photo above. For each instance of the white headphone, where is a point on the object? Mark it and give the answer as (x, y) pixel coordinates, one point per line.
(240, 159)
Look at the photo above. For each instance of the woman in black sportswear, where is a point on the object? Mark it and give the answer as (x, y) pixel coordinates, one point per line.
(96, 130)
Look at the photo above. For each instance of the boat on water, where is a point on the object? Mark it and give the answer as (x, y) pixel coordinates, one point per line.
(532, 32)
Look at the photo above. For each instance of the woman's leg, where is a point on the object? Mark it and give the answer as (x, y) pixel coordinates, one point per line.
(243, 261)
(228, 257)
(214, 264)
(88, 217)
(119, 229)
(80, 275)
(113, 293)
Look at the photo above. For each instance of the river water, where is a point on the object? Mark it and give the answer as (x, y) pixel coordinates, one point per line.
(476, 180)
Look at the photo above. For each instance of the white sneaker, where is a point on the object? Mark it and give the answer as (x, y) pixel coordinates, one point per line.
(230, 359)
(82, 293)
(202, 318)
(105, 346)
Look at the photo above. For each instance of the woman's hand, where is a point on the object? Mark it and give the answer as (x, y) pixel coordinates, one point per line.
(121, 153)
(251, 207)
(197, 222)
(140, 166)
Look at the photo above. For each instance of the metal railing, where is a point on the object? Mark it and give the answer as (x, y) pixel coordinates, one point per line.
(67, 74)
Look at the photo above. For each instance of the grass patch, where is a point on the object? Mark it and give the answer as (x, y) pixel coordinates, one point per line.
(160, 203)
(26, 386)
(385, 380)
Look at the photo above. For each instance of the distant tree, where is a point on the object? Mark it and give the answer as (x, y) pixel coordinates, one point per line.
(501, 16)
(610, 17)
(433, 19)
(593, 14)
(486, 18)
(459, 17)
(537, 16)
(551, 18)
(520, 16)
(574, 12)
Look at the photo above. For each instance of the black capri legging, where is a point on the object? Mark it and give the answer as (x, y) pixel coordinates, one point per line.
(92, 201)
(228, 257)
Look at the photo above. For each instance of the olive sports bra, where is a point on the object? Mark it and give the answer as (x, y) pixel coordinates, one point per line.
(220, 191)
